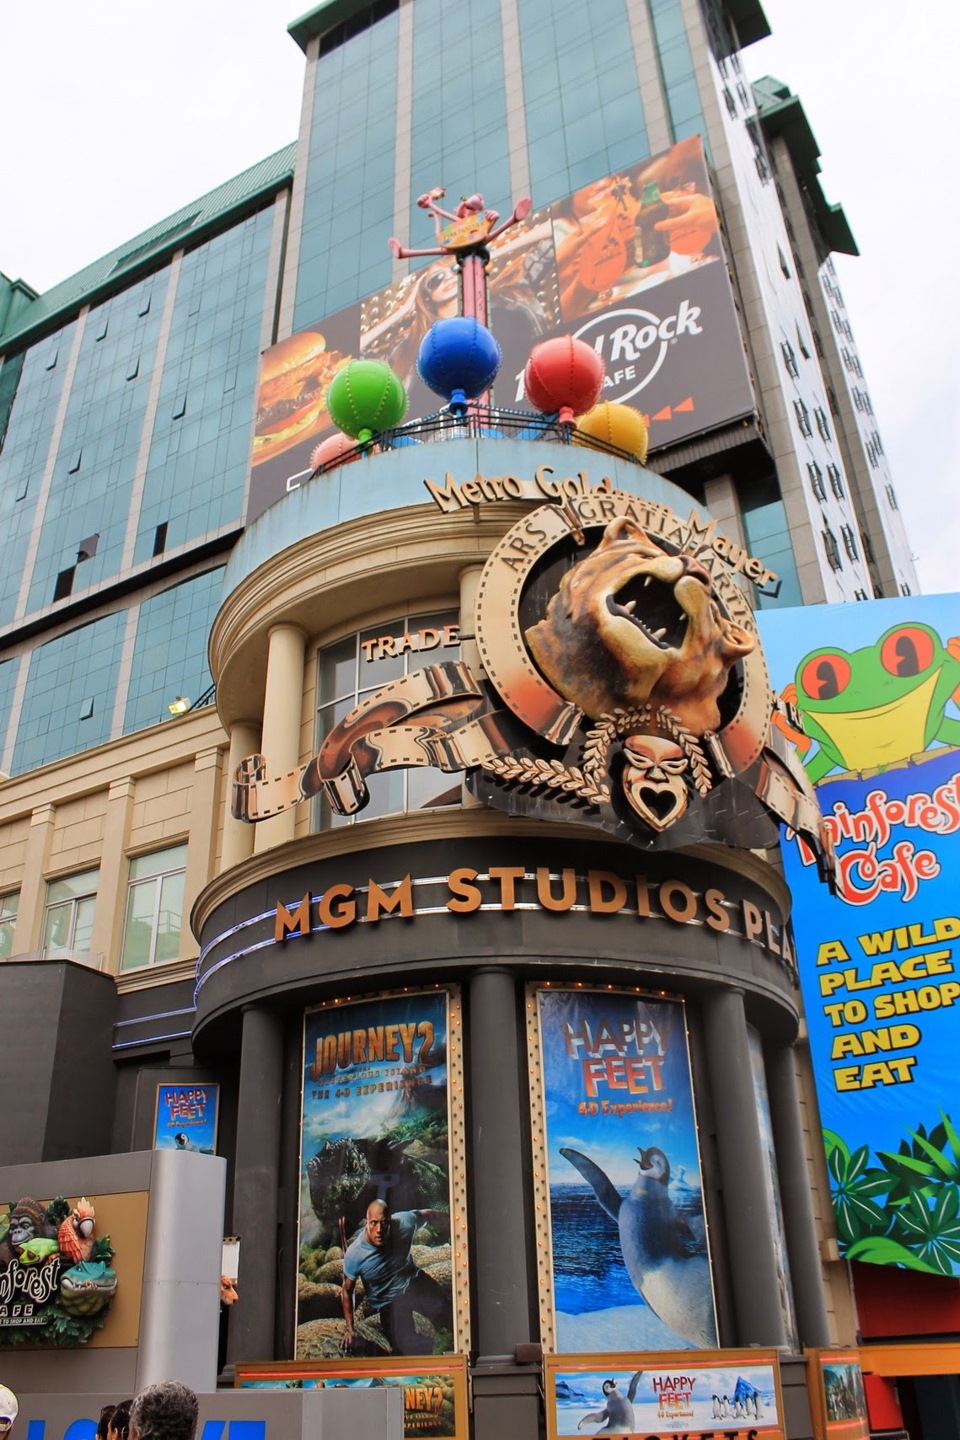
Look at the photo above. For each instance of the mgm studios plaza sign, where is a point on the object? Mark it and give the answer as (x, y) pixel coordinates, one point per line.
(623, 683)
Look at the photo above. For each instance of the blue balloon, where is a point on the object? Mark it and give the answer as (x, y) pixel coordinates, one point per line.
(458, 358)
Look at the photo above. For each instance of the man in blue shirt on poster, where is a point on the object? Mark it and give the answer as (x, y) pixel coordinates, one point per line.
(379, 1255)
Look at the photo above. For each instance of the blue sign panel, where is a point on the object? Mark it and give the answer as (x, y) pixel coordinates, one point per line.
(878, 959)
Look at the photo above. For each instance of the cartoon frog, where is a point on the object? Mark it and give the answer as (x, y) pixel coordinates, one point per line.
(871, 708)
(38, 1252)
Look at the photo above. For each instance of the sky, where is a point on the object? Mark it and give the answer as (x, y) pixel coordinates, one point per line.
(125, 113)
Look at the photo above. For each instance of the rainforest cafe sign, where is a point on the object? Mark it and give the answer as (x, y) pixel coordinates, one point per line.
(622, 684)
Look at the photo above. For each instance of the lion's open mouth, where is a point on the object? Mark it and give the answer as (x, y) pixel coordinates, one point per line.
(661, 618)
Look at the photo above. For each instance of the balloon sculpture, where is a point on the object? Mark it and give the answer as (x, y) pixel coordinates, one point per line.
(459, 359)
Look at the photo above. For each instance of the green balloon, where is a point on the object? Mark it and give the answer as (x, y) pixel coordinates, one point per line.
(366, 395)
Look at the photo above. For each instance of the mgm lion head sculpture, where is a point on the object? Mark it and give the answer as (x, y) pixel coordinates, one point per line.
(634, 625)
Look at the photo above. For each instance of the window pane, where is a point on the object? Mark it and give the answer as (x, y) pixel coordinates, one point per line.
(338, 670)
(72, 886)
(8, 920)
(83, 923)
(169, 918)
(430, 787)
(56, 927)
(138, 927)
(159, 862)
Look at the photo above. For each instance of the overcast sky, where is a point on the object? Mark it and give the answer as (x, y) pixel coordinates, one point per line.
(118, 113)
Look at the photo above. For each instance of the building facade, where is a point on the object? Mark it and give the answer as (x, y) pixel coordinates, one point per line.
(146, 927)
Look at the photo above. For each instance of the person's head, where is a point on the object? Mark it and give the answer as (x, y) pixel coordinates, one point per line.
(8, 1410)
(119, 1426)
(103, 1424)
(378, 1222)
(167, 1411)
(438, 293)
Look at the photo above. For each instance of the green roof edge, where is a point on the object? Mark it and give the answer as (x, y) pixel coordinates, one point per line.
(747, 15)
(782, 116)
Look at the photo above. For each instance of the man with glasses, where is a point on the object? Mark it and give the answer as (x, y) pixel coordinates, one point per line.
(395, 1286)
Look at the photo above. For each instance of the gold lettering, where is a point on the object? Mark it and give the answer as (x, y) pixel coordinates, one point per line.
(568, 896)
(602, 904)
(717, 917)
(449, 497)
(334, 913)
(296, 924)
(683, 911)
(464, 896)
(380, 903)
(508, 875)
(549, 487)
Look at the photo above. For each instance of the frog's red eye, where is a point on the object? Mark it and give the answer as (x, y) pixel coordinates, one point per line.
(825, 676)
(907, 651)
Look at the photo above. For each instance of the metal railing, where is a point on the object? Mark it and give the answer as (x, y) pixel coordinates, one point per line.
(478, 423)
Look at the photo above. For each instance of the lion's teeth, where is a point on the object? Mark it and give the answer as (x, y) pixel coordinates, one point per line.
(659, 634)
(647, 581)
(630, 606)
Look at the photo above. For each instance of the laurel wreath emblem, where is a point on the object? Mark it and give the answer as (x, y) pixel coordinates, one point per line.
(550, 775)
(587, 784)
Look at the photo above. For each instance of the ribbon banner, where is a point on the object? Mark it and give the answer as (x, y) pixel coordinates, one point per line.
(624, 684)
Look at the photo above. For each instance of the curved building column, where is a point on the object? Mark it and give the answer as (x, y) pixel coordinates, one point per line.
(281, 724)
(238, 836)
(255, 1184)
(751, 1244)
(498, 1182)
(469, 649)
(806, 1272)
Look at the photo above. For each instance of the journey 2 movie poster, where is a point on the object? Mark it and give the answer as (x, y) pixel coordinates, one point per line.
(375, 1180)
(631, 1269)
(874, 687)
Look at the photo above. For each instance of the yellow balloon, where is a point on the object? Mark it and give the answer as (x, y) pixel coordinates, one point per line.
(618, 425)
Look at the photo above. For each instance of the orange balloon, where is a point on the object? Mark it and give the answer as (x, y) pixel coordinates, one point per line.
(335, 447)
(618, 425)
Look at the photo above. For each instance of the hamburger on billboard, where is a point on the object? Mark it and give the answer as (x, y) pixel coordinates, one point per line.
(633, 264)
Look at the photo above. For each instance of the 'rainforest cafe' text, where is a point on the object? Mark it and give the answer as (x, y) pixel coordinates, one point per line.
(863, 872)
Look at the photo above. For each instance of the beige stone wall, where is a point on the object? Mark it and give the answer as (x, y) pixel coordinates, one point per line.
(161, 787)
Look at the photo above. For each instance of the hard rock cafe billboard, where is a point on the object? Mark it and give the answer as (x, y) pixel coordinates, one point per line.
(623, 685)
(874, 688)
(633, 264)
(380, 1212)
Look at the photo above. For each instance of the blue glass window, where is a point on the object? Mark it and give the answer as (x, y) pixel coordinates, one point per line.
(71, 686)
(584, 113)
(676, 69)
(348, 205)
(199, 454)
(97, 456)
(23, 457)
(170, 652)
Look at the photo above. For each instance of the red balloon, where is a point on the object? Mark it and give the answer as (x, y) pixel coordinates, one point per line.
(335, 447)
(563, 374)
